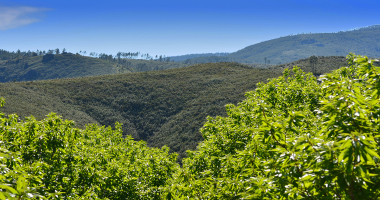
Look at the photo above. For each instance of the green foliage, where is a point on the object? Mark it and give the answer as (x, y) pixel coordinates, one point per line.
(14, 179)
(292, 138)
(62, 162)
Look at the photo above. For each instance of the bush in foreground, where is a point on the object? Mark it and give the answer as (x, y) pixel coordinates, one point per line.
(292, 138)
(61, 162)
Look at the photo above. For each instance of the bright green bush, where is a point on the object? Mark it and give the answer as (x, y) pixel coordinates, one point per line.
(97, 162)
(292, 138)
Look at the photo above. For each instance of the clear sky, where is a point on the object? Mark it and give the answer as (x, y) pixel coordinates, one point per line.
(169, 27)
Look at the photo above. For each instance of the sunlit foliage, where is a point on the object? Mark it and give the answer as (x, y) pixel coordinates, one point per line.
(58, 161)
(292, 138)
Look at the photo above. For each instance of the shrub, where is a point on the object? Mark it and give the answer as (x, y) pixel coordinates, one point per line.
(292, 138)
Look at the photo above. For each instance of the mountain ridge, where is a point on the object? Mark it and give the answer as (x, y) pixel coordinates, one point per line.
(363, 41)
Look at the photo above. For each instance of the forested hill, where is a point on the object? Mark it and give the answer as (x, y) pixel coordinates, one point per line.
(31, 66)
(364, 41)
(164, 107)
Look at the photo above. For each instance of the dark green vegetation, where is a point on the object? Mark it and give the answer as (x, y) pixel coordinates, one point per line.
(365, 41)
(28, 67)
(161, 107)
(291, 138)
(322, 64)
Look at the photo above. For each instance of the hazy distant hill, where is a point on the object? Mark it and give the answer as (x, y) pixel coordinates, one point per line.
(53, 66)
(190, 56)
(364, 41)
(164, 107)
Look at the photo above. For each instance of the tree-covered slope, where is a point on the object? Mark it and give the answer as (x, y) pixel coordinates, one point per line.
(322, 64)
(55, 66)
(364, 41)
(60, 66)
(161, 107)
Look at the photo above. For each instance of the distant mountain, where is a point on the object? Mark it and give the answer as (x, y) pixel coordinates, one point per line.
(165, 107)
(54, 66)
(190, 56)
(363, 41)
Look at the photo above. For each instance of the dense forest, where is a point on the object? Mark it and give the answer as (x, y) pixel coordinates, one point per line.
(364, 41)
(166, 107)
(290, 138)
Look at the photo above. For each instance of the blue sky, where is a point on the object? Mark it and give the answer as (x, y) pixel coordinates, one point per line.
(170, 27)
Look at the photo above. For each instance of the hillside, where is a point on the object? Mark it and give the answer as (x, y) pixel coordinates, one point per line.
(364, 41)
(161, 107)
(324, 64)
(28, 68)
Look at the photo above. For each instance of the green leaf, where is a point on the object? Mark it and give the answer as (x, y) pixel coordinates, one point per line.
(343, 155)
(10, 189)
(371, 152)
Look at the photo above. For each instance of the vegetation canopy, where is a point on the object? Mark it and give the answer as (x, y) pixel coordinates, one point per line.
(295, 137)
(292, 138)
(51, 159)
